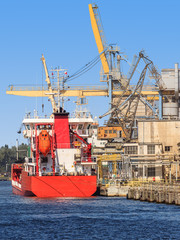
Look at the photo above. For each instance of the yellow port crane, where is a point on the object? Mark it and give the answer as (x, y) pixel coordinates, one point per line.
(109, 55)
(123, 107)
(99, 36)
(110, 59)
(51, 92)
(110, 69)
(75, 91)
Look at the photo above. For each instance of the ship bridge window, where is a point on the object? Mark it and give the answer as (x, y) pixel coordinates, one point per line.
(80, 126)
(73, 126)
(27, 127)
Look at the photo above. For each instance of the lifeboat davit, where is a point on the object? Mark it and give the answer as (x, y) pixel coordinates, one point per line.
(44, 142)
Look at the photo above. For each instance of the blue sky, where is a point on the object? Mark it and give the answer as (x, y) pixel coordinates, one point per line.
(61, 30)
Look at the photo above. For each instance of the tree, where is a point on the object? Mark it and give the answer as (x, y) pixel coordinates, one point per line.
(9, 155)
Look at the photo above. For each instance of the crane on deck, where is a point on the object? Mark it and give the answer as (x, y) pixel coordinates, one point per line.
(51, 94)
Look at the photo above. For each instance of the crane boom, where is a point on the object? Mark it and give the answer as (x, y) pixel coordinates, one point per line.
(126, 89)
(51, 94)
(98, 34)
(126, 119)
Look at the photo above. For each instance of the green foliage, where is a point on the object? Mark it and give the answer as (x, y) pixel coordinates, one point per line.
(9, 156)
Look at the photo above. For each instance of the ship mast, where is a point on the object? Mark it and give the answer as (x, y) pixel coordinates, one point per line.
(60, 85)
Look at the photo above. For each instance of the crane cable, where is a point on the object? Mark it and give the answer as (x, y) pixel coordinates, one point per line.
(85, 68)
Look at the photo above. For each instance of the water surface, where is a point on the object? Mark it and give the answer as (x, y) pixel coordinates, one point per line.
(85, 218)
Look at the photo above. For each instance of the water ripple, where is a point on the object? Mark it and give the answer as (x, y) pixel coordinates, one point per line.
(85, 218)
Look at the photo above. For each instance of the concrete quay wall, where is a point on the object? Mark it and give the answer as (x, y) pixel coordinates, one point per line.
(159, 193)
(114, 191)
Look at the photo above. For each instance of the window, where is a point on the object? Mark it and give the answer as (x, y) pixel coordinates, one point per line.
(119, 134)
(27, 127)
(110, 131)
(105, 131)
(80, 126)
(131, 150)
(114, 131)
(151, 171)
(151, 149)
(141, 149)
(167, 148)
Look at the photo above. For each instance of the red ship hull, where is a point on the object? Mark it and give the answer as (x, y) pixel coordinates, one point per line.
(55, 186)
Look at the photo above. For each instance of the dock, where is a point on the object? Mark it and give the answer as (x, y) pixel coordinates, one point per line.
(113, 188)
(156, 192)
(5, 179)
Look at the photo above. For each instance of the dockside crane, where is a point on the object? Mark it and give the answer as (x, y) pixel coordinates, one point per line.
(99, 37)
(118, 84)
(110, 57)
(123, 113)
(124, 106)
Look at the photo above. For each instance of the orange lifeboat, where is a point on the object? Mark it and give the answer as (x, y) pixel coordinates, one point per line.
(44, 142)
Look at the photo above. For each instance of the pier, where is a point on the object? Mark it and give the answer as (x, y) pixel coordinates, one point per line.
(115, 189)
(156, 192)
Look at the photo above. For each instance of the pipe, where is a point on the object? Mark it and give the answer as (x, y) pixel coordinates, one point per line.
(160, 106)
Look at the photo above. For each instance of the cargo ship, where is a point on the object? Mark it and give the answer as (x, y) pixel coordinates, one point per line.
(56, 166)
